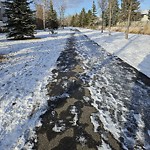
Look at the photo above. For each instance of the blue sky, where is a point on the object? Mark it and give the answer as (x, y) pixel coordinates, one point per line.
(75, 6)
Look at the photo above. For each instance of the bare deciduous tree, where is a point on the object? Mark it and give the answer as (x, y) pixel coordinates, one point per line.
(103, 6)
(39, 16)
(111, 8)
(62, 5)
(45, 5)
(129, 19)
(110, 15)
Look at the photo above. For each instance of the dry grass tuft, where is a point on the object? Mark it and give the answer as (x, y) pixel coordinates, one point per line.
(136, 27)
(2, 58)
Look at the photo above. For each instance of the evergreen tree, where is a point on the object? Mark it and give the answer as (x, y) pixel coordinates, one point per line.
(20, 21)
(93, 17)
(90, 18)
(125, 5)
(52, 18)
(94, 9)
(83, 18)
(72, 23)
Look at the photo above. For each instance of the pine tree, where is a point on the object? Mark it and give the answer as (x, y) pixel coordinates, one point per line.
(52, 18)
(94, 12)
(89, 18)
(72, 23)
(83, 18)
(20, 21)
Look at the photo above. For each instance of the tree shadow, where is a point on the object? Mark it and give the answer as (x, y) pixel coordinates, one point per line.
(135, 133)
(22, 80)
(99, 37)
(122, 92)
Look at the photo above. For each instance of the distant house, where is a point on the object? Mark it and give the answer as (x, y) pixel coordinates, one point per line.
(3, 17)
(144, 14)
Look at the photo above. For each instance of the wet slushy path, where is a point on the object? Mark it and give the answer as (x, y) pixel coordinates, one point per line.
(96, 101)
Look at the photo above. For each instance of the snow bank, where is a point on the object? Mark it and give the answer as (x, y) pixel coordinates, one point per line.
(24, 75)
(135, 51)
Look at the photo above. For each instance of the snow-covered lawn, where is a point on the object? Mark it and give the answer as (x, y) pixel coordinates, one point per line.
(135, 51)
(24, 74)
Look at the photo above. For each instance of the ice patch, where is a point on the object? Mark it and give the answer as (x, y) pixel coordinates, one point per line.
(104, 146)
(74, 111)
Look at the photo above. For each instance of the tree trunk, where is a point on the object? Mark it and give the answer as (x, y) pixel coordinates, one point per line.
(110, 16)
(44, 20)
(102, 22)
(129, 19)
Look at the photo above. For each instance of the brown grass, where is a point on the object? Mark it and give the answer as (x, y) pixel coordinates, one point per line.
(2, 58)
(137, 27)
(136, 30)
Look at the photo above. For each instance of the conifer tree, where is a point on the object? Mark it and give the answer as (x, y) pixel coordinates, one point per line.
(72, 23)
(83, 18)
(20, 21)
(89, 18)
(94, 12)
(52, 18)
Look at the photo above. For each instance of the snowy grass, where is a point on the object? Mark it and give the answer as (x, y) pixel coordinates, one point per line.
(135, 51)
(23, 79)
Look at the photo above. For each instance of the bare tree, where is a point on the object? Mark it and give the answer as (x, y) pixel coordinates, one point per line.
(62, 5)
(45, 5)
(110, 15)
(129, 19)
(111, 9)
(103, 6)
(39, 16)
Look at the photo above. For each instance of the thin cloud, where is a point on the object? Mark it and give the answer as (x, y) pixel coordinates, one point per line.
(68, 3)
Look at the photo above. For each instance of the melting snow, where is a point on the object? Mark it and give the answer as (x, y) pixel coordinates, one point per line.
(135, 51)
(23, 79)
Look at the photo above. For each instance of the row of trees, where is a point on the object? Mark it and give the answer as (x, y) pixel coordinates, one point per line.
(84, 18)
(46, 16)
(111, 14)
(21, 21)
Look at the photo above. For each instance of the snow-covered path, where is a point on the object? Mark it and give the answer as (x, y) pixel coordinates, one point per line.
(135, 51)
(96, 101)
(120, 94)
(23, 78)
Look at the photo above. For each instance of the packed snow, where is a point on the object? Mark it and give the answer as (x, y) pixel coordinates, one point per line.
(24, 74)
(135, 51)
